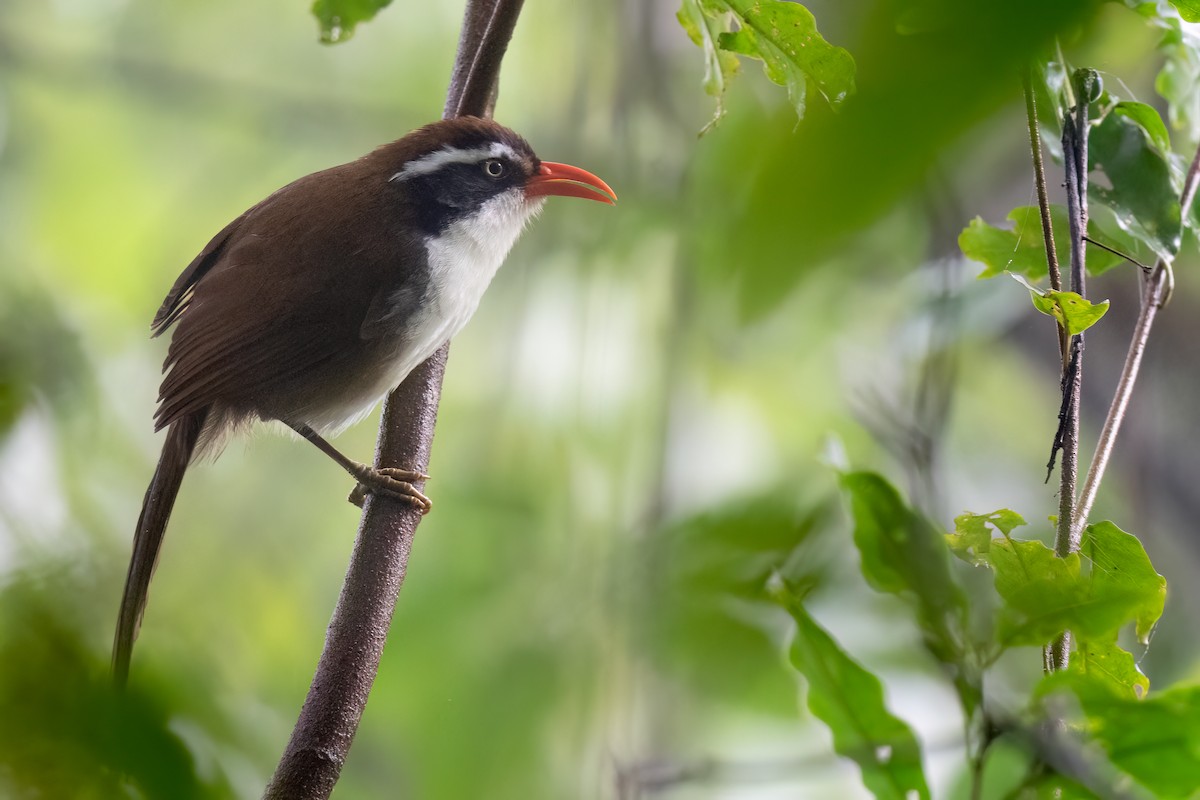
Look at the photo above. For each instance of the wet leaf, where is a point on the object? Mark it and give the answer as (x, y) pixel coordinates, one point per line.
(704, 22)
(1140, 192)
(339, 18)
(785, 38)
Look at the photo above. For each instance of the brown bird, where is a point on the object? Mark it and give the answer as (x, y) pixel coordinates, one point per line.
(319, 300)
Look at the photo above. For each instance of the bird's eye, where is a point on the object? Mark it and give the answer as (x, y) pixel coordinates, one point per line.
(493, 168)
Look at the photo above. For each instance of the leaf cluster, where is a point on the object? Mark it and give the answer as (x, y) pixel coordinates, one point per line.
(1135, 208)
(724, 573)
(1096, 593)
(782, 35)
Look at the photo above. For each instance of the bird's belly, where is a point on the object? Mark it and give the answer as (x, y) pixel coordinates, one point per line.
(462, 262)
(390, 363)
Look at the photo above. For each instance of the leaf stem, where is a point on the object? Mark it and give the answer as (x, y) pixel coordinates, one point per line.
(1154, 293)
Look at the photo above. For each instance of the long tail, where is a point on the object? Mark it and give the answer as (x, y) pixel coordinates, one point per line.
(182, 436)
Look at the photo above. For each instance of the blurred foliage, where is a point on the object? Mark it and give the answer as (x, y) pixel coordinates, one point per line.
(635, 440)
(67, 731)
(849, 699)
(714, 626)
(1153, 740)
(40, 357)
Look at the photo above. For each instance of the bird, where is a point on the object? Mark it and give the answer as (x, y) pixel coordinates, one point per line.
(319, 300)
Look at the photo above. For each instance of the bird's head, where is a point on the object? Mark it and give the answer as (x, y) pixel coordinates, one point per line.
(475, 169)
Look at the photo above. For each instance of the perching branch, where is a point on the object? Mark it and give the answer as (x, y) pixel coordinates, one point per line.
(1155, 290)
(313, 760)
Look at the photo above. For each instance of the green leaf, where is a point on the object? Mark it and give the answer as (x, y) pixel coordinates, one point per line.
(842, 182)
(1105, 228)
(902, 553)
(1045, 595)
(1107, 664)
(1021, 250)
(1141, 192)
(1156, 741)
(1188, 9)
(1123, 577)
(1147, 117)
(972, 537)
(1179, 79)
(1039, 589)
(338, 18)
(704, 23)
(1073, 311)
(784, 36)
(849, 699)
(1050, 90)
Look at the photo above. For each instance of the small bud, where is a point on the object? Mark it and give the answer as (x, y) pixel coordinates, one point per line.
(1088, 85)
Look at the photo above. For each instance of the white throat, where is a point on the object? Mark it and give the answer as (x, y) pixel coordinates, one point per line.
(465, 256)
(463, 259)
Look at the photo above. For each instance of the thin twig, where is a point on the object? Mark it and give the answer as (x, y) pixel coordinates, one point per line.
(1039, 175)
(661, 776)
(1153, 297)
(321, 740)
(1116, 252)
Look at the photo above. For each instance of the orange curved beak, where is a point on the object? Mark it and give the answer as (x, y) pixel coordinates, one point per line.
(567, 181)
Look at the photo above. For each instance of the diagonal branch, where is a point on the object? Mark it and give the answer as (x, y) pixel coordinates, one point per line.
(321, 740)
(1155, 290)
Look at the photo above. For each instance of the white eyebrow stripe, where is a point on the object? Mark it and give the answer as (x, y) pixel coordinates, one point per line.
(453, 155)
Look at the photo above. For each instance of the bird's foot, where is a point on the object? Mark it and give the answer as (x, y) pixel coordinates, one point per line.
(391, 482)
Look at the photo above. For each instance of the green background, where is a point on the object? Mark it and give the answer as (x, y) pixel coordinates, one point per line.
(640, 417)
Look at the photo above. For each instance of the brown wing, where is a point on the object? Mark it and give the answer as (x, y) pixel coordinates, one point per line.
(178, 298)
(285, 295)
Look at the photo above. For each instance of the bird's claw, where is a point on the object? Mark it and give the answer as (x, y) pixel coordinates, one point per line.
(391, 482)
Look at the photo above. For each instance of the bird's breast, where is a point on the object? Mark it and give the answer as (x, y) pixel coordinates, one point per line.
(461, 260)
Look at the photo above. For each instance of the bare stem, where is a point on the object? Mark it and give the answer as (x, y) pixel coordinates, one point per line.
(1075, 142)
(321, 739)
(1153, 295)
(1039, 174)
